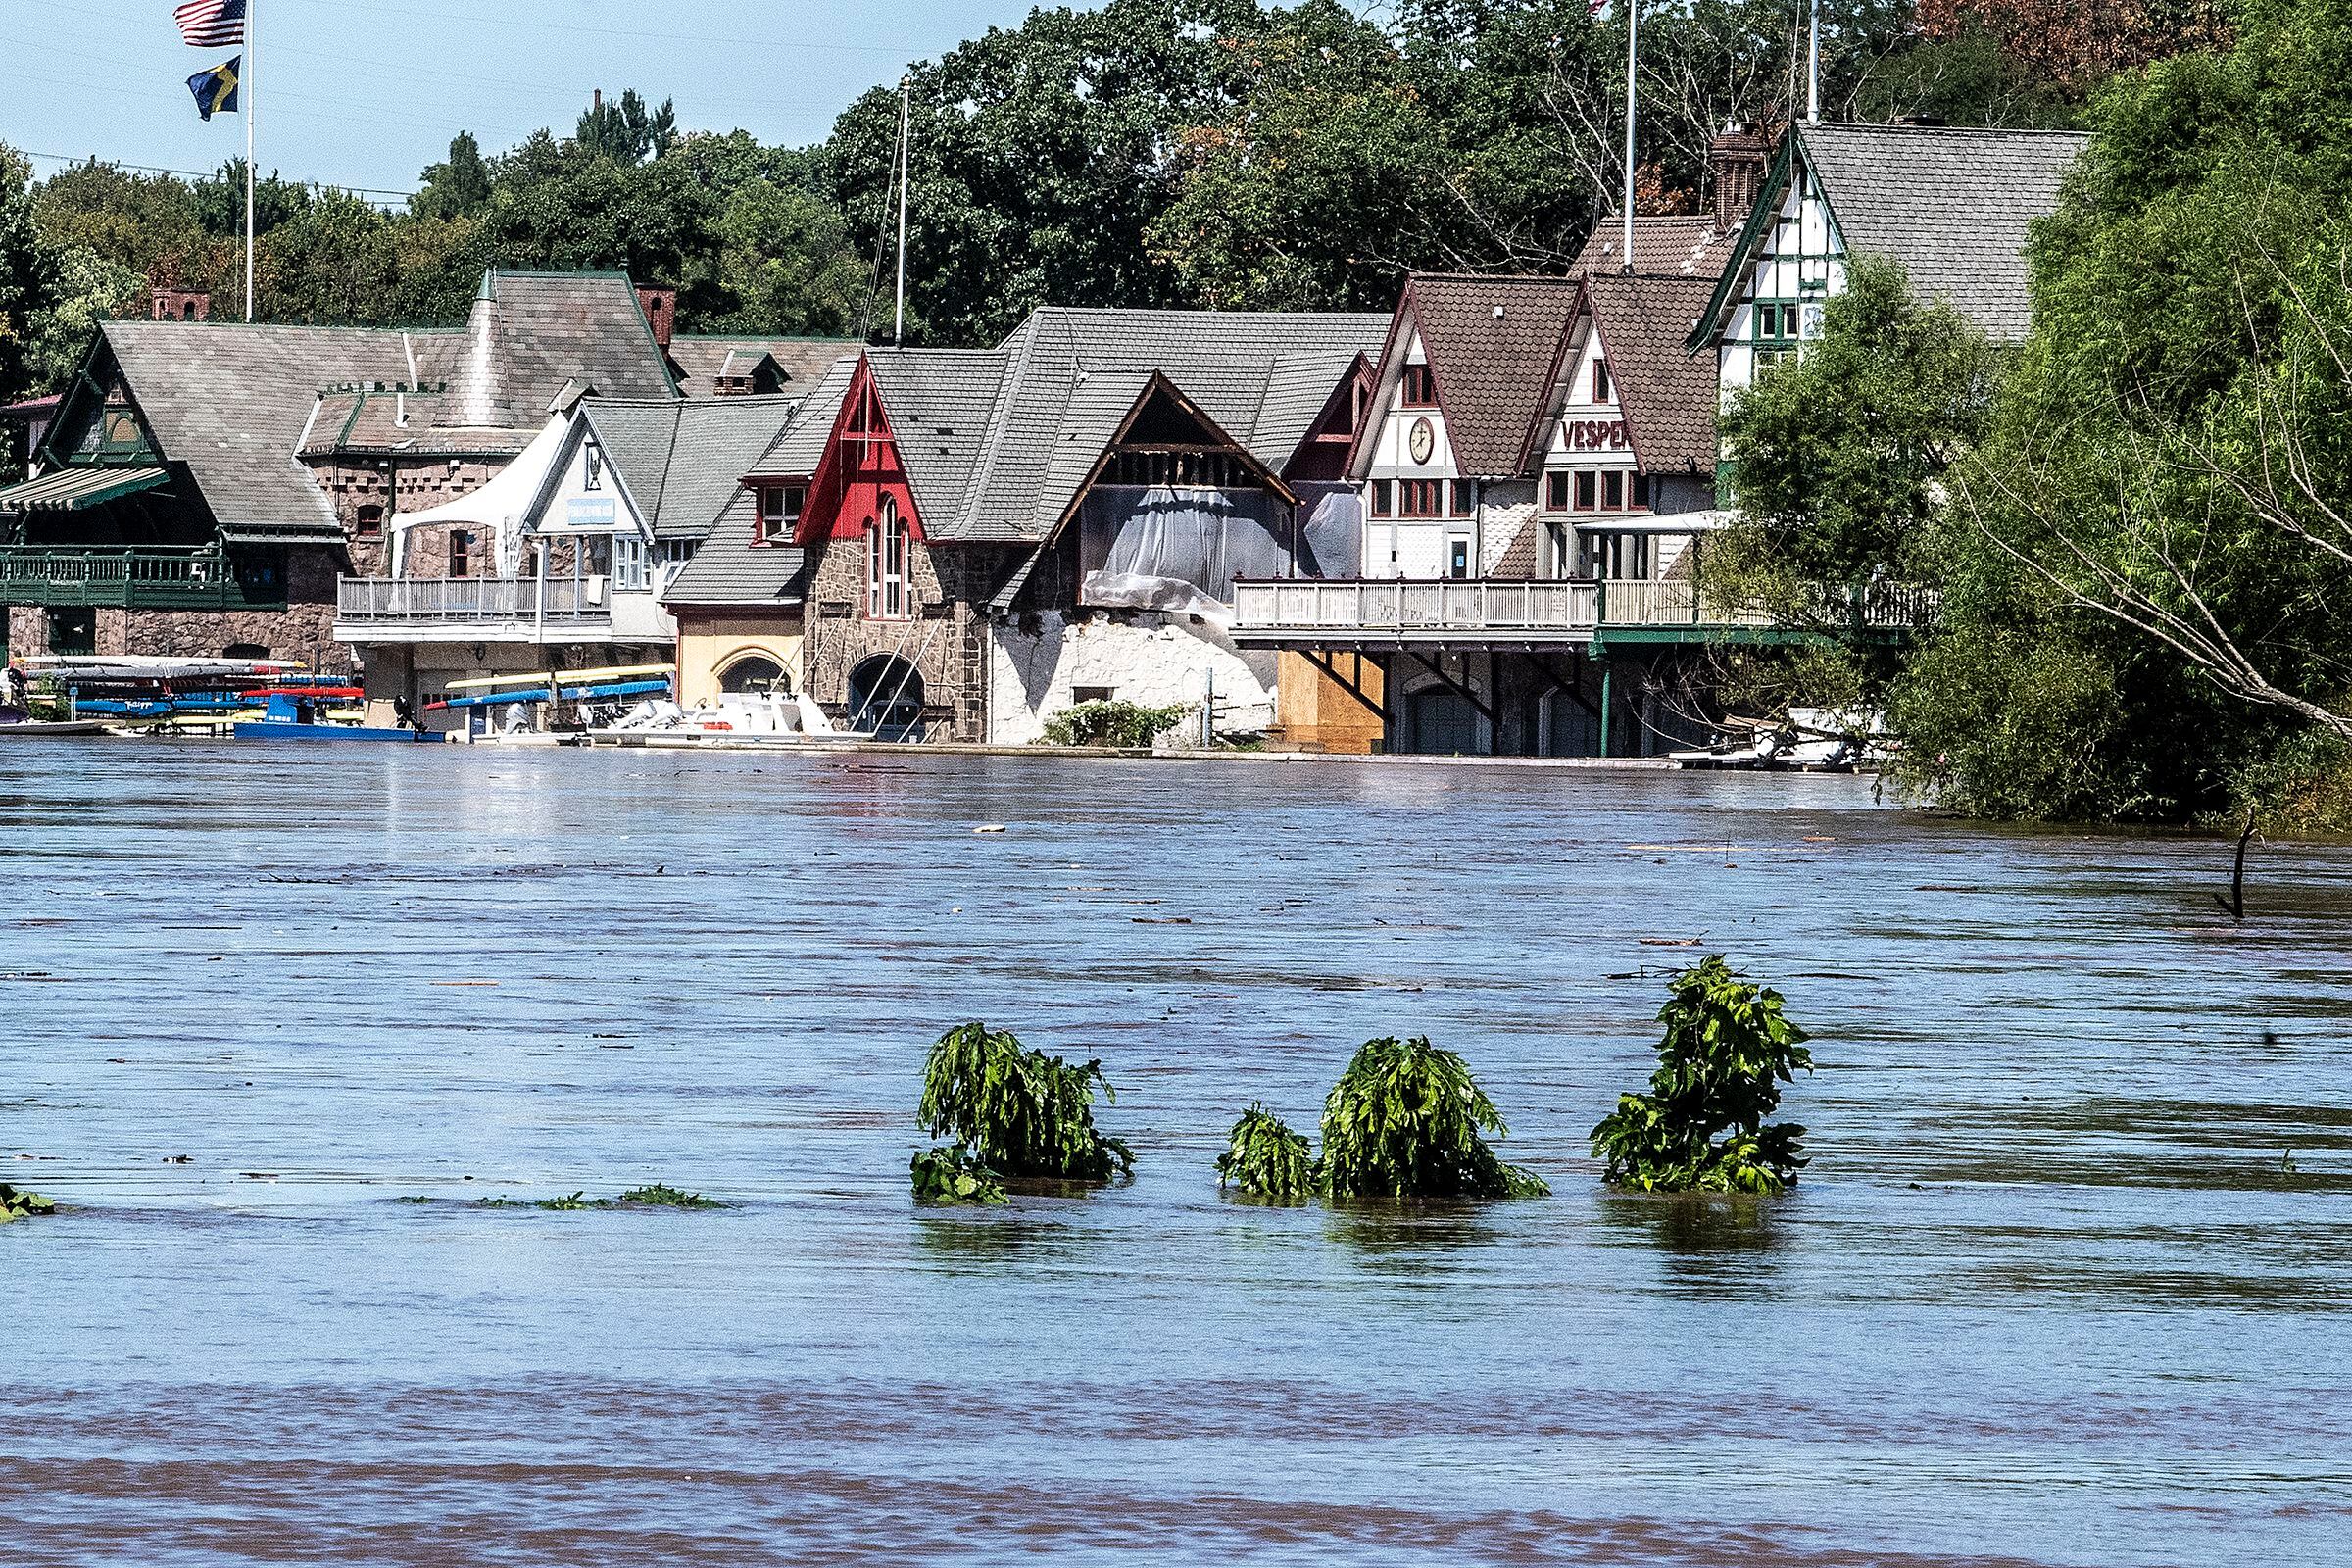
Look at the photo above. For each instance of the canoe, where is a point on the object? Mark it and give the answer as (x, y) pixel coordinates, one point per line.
(26, 728)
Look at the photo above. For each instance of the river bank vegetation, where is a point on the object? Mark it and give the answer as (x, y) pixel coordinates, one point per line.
(2139, 522)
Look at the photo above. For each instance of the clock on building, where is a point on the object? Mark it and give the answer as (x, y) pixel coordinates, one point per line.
(1421, 440)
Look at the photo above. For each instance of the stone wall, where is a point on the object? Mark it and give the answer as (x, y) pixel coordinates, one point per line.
(395, 486)
(947, 641)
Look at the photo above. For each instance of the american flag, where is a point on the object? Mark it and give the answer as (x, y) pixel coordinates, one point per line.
(210, 24)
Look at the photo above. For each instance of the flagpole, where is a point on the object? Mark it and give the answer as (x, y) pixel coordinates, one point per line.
(1633, 22)
(246, 87)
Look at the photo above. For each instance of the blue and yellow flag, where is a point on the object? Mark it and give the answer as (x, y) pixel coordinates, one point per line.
(215, 90)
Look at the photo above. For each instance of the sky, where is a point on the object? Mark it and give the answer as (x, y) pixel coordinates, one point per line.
(366, 93)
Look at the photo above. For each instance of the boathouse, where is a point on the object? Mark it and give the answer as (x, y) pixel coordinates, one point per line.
(568, 551)
(985, 537)
(1951, 205)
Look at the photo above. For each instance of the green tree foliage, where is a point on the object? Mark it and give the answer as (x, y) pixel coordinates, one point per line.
(624, 131)
(1840, 454)
(1040, 156)
(1263, 1158)
(21, 280)
(457, 187)
(1110, 723)
(1701, 1127)
(1406, 1119)
(2144, 557)
(1012, 1112)
(17, 1203)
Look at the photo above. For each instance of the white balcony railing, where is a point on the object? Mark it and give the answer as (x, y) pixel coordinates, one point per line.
(491, 603)
(1561, 611)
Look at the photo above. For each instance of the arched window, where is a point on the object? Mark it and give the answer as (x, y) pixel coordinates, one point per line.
(888, 541)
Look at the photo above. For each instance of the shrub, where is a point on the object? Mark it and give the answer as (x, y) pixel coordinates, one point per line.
(1726, 1052)
(1127, 725)
(17, 1203)
(951, 1175)
(659, 1194)
(1405, 1120)
(1264, 1156)
(1014, 1112)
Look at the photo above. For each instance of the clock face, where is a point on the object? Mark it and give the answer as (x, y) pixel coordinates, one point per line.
(1421, 440)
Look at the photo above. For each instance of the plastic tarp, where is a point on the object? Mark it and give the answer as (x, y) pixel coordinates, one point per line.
(501, 505)
(1330, 531)
(1164, 548)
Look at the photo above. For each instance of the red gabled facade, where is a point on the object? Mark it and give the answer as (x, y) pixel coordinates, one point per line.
(860, 468)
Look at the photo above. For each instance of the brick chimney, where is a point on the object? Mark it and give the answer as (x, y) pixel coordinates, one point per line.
(182, 305)
(1736, 168)
(661, 307)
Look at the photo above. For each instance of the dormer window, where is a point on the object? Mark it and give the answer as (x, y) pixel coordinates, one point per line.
(1600, 380)
(781, 507)
(1420, 390)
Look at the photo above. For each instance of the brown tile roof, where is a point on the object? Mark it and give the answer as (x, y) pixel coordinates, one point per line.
(1687, 247)
(1669, 397)
(1491, 344)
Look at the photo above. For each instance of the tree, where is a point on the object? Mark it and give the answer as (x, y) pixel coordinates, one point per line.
(457, 187)
(1013, 1113)
(1840, 455)
(2072, 46)
(625, 131)
(21, 280)
(1701, 1128)
(1406, 1119)
(2155, 521)
(1040, 157)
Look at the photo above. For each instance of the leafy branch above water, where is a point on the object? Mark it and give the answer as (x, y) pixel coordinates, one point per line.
(15, 1203)
(1406, 1119)
(1701, 1128)
(1012, 1112)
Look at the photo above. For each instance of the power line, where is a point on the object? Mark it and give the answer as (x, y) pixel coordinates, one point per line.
(70, 161)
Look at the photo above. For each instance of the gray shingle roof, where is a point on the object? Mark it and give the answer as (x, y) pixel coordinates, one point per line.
(233, 402)
(801, 361)
(230, 401)
(1950, 205)
(531, 332)
(998, 441)
(684, 461)
(729, 570)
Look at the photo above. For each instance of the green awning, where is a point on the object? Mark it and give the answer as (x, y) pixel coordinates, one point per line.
(78, 489)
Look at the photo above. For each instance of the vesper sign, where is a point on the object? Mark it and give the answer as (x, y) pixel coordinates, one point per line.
(1594, 435)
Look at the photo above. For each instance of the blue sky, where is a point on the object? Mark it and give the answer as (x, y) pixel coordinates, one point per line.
(366, 92)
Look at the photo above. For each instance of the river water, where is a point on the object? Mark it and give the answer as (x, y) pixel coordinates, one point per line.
(2050, 1292)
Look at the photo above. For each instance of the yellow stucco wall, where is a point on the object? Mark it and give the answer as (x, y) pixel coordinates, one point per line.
(708, 646)
(1316, 714)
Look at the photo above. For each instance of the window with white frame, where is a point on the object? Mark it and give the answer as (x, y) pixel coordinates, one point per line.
(629, 573)
(888, 540)
(780, 512)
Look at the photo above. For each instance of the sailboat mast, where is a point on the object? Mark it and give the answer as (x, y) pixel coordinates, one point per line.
(897, 320)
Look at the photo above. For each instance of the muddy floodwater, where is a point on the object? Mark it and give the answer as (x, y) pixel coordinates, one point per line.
(2069, 1280)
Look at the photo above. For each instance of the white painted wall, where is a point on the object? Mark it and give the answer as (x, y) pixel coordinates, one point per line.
(1803, 259)
(1146, 658)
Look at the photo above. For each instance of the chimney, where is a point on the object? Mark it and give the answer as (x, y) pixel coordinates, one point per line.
(1736, 168)
(182, 305)
(661, 307)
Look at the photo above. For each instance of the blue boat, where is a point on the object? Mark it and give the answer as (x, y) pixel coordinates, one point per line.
(293, 716)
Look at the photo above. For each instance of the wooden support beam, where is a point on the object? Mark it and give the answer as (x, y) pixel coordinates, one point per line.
(1329, 665)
